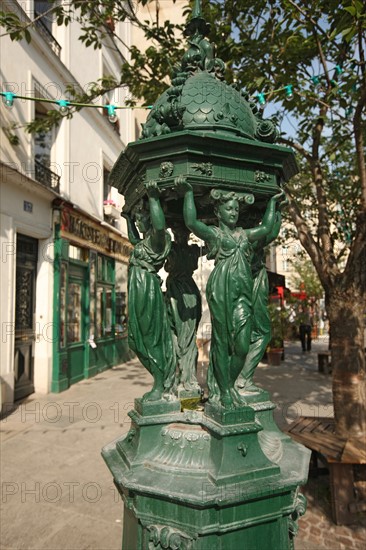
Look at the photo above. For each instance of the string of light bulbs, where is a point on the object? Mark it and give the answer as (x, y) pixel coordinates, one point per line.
(260, 97)
(65, 105)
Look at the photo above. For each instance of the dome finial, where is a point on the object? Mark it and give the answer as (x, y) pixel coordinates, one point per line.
(197, 11)
(197, 23)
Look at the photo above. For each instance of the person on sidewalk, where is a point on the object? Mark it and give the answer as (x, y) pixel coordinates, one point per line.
(305, 329)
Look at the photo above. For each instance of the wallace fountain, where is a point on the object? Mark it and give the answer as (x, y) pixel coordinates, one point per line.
(218, 474)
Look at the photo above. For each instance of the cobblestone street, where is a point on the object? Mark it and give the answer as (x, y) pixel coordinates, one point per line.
(57, 492)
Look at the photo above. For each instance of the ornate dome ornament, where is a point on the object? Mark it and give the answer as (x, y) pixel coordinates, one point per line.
(199, 97)
(207, 132)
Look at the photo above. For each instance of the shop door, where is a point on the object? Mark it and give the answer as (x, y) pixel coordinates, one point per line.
(25, 303)
(76, 330)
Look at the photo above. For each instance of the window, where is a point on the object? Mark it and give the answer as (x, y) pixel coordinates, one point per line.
(77, 253)
(105, 297)
(74, 313)
(43, 7)
(106, 186)
(63, 278)
(121, 276)
(121, 312)
(42, 140)
(92, 302)
(109, 98)
(45, 24)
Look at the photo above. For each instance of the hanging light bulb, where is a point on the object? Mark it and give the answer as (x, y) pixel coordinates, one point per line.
(112, 115)
(8, 99)
(261, 100)
(349, 111)
(64, 106)
(289, 92)
(338, 70)
(316, 82)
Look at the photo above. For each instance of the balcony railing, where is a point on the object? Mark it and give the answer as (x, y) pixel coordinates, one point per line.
(47, 35)
(45, 176)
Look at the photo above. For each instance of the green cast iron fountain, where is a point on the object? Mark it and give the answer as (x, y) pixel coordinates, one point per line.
(221, 475)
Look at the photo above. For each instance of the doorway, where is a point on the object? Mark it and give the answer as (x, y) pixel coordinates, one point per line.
(25, 304)
(76, 323)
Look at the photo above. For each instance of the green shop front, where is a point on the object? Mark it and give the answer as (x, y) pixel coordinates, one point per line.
(90, 298)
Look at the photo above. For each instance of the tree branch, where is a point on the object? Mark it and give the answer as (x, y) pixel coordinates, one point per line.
(308, 242)
(299, 148)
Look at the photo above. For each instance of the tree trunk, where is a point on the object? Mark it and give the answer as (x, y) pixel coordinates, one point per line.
(346, 312)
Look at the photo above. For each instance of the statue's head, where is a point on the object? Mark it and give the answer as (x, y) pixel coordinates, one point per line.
(141, 215)
(226, 207)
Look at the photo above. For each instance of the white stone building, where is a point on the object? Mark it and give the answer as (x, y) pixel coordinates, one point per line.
(63, 245)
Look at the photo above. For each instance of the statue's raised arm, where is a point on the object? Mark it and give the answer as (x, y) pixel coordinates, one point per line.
(158, 229)
(265, 229)
(200, 229)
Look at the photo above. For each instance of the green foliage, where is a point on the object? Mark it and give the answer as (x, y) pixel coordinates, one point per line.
(306, 279)
(265, 45)
(279, 325)
(11, 135)
(14, 26)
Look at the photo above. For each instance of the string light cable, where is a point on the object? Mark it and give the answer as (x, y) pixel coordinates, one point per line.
(316, 82)
(64, 104)
(260, 97)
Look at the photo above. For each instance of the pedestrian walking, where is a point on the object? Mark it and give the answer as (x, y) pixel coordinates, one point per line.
(305, 329)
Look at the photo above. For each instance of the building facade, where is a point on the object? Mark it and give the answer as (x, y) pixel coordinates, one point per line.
(64, 249)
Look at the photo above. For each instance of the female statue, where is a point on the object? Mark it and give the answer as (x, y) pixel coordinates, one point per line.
(261, 323)
(229, 288)
(184, 306)
(149, 334)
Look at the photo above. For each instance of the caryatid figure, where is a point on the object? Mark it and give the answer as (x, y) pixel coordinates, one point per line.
(184, 307)
(149, 333)
(229, 288)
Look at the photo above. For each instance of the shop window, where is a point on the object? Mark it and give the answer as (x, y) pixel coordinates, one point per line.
(74, 313)
(105, 269)
(104, 311)
(77, 253)
(108, 312)
(121, 298)
(121, 312)
(104, 303)
(92, 302)
(63, 278)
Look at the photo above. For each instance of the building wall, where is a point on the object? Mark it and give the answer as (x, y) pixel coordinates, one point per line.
(167, 11)
(82, 147)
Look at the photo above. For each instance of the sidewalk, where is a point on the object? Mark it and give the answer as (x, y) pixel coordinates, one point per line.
(57, 492)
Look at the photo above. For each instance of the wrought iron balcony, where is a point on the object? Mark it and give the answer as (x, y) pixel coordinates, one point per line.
(45, 176)
(47, 35)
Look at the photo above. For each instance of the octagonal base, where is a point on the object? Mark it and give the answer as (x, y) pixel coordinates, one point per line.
(212, 479)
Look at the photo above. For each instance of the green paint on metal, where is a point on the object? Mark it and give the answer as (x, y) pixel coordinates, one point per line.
(149, 329)
(215, 473)
(184, 307)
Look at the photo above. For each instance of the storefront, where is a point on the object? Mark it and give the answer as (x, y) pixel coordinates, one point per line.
(90, 298)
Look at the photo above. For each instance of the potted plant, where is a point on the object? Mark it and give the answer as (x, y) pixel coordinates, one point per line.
(274, 353)
(275, 348)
